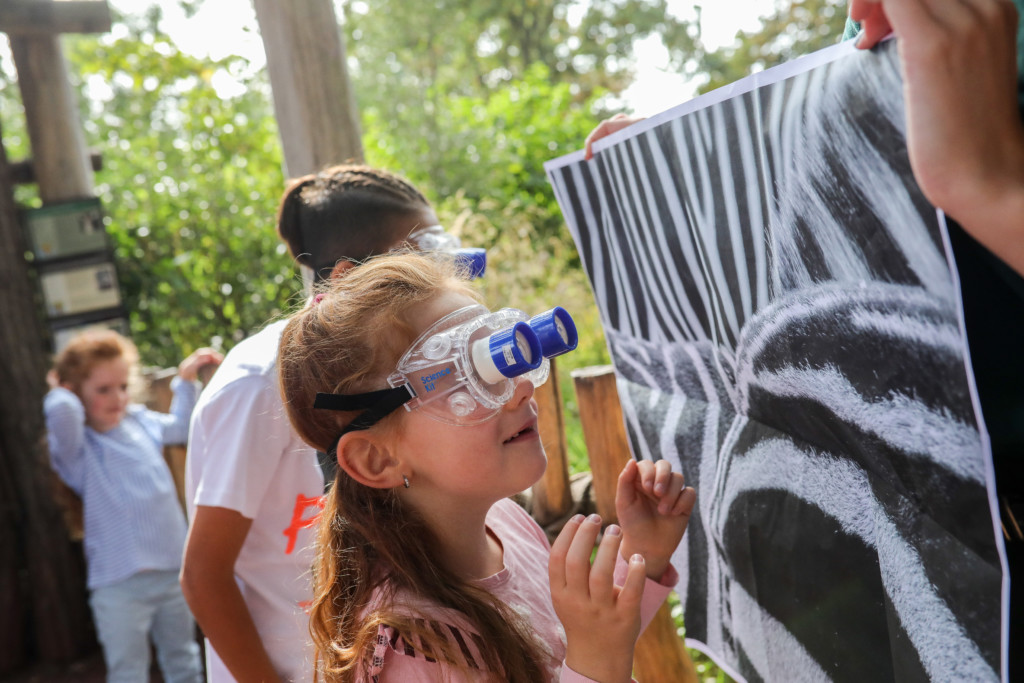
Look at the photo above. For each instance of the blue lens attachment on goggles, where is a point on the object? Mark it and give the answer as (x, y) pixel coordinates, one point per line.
(436, 238)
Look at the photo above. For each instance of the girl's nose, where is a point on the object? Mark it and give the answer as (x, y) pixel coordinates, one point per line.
(523, 393)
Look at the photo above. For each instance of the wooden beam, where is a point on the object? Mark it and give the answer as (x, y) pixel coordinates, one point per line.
(23, 172)
(28, 17)
(313, 101)
(59, 155)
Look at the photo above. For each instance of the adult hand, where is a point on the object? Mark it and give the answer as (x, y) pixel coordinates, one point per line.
(965, 136)
(606, 128)
(654, 508)
(189, 368)
(601, 620)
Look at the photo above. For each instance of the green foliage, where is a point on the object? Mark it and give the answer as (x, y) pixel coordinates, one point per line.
(494, 146)
(797, 27)
(190, 183)
(473, 96)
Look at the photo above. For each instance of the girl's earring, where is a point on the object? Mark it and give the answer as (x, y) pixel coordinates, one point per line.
(405, 481)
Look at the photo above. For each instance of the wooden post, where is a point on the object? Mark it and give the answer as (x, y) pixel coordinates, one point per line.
(660, 655)
(59, 156)
(313, 102)
(603, 431)
(552, 498)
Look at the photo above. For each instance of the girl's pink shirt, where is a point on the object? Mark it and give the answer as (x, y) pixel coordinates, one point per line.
(523, 585)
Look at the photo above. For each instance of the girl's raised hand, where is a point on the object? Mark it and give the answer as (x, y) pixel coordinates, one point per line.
(601, 620)
(189, 368)
(654, 507)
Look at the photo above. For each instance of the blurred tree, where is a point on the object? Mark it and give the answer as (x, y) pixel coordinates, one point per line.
(797, 27)
(411, 76)
(190, 182)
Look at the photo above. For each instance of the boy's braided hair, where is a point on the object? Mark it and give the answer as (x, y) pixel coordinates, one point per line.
(347, 211)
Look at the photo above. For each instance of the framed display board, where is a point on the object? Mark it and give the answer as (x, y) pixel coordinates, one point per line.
(65, 230)
(80, 287)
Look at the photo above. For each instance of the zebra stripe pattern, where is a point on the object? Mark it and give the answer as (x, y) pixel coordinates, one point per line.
(784, 320)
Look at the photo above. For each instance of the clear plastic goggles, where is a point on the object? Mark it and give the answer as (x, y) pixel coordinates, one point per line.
(436, 238)
(463, 369)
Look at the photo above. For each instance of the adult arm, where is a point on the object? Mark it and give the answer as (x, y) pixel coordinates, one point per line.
(965, 135)
(215, 539)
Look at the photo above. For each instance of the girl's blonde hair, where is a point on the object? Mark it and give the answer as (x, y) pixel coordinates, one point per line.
(370, 546)
(88, 349)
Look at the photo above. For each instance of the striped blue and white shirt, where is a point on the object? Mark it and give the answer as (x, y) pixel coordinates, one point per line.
(133, 520)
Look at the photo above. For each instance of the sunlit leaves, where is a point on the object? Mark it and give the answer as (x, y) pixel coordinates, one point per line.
(191, 182)
(796, 28)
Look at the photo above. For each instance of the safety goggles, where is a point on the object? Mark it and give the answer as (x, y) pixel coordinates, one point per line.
(436, 238)
(464, 368)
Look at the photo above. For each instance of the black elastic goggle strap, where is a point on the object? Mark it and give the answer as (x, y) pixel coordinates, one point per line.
(376, 405)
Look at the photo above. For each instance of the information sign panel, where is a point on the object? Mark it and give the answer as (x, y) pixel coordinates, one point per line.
(80, 289)
(65, 229)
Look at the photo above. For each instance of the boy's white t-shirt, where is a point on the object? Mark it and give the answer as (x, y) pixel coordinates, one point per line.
(244, 455)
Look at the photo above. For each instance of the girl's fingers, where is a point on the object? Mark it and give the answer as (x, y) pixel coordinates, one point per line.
(577, 559)
(685, 502)
(645, 476)
(603, 570)
(632, 590)
(559, 549)
(625, 491)
(673, 489)
(662, 477)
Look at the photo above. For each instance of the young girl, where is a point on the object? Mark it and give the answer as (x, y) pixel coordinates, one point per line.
(110, 454)
(425, 570)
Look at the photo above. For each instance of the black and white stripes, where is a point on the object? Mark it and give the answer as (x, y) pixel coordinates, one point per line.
(785, 326)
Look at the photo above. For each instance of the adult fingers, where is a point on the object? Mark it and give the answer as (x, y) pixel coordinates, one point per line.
(929, 21)
(874, 24)
(606, 128)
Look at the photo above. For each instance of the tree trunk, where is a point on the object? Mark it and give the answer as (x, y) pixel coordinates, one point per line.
(43, 610)
(316, 112)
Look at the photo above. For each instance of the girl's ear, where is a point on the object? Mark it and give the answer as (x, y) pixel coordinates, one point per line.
(369, 460)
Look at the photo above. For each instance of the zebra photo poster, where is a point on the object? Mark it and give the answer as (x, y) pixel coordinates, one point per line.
(785, 322)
